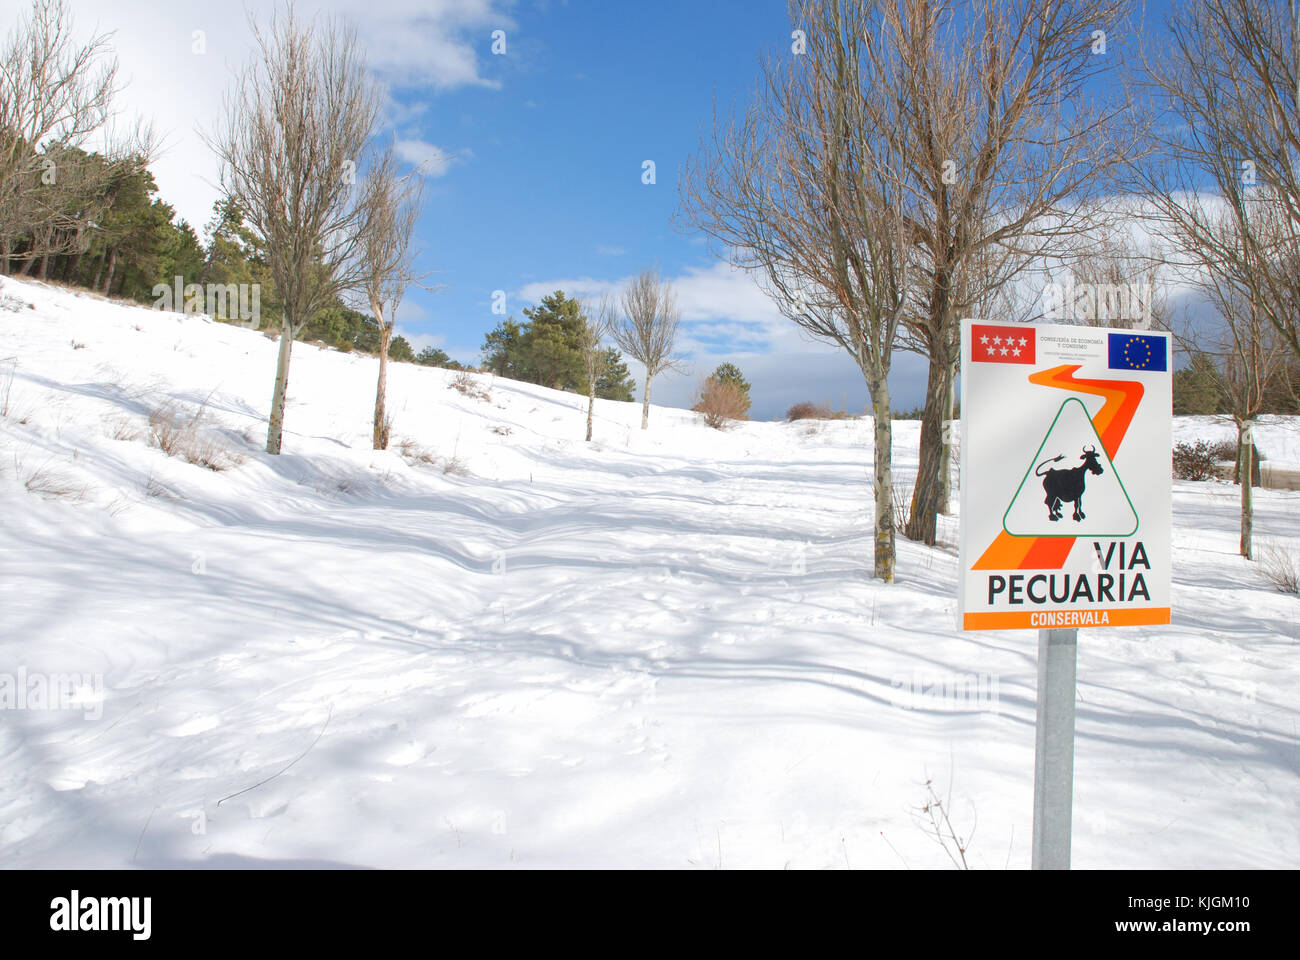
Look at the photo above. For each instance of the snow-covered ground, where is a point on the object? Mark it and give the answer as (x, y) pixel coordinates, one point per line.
(663, 649)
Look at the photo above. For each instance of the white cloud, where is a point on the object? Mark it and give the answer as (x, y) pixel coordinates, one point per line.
(727, 317)
(442, 44)
(432, 160)
(419, 341)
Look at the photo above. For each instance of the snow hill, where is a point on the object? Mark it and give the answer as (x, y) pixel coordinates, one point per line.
(663, 649)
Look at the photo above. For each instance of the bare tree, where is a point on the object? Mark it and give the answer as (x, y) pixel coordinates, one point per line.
(1228, 85)
(1109, 282)
(805, 189)
(597, 325)
(55, 95)
(1225, 182)
(648, 329)
(1009, 140)
(293, 133)
(1245, 357)
(392, 206)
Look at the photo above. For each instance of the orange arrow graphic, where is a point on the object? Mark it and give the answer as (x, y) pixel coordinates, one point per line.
(1111, 422)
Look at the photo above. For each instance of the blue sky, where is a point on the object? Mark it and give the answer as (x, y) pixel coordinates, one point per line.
(544, 190)
(535, 157)
(543, 186)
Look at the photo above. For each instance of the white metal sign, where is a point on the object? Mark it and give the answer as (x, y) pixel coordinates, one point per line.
(1065, 486)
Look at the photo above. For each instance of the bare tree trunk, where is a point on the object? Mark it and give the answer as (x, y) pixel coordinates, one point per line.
(645, 404)
(381, 391)
(591, 405)
(921, 521)
(27, 265)
(275, 430)
(99, 272)
(112, 266)
(884, 439)
(1245, 461)
(45, 266)
(945, 460)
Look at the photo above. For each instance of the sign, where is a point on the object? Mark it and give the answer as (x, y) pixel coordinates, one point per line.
(1065, 477)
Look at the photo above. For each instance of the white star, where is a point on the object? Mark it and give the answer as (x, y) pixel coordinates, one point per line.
(1023, 341)
(984, 339)
(997, 339)
(1004, 351)
(1015, 352)
(991, 350)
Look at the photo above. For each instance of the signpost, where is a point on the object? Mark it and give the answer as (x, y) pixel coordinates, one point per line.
(1065, 510)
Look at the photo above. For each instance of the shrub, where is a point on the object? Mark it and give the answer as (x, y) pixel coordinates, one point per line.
(809, 411)
(729, 373)
(1194, 461)
(1221, 450)
(721, 401)
(816, 411)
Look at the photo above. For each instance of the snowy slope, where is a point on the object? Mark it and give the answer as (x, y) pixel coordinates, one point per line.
(662, 649)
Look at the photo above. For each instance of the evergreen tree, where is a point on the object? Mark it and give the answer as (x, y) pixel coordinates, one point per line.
(614, 382)
(1196, 390)
(729, 373)
(547, 349)
(552, 343)
(503, 350)
(436, 357)
(399, 350)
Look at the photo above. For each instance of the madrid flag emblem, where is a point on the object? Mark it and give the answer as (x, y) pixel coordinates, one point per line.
(1002, 344)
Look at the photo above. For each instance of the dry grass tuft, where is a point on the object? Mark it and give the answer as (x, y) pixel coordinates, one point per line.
(1281, 568)
(122, 428)
(418, 456)
(50, 485)
(190, 438)
(465, 383)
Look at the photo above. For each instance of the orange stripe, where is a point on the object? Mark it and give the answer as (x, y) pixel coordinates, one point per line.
(1006, 553)
(1019, 619)
(1111, 423)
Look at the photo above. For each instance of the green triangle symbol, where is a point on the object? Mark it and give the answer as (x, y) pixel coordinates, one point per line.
(1061, 495)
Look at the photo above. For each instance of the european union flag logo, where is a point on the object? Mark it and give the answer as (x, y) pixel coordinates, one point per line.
(1136, 351)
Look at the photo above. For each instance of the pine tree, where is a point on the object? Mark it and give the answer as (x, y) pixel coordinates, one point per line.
(552, 343)
(503, 351)
(729, 373)
(614, 382)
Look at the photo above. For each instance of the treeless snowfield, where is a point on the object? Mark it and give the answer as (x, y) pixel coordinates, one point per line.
(663, 649)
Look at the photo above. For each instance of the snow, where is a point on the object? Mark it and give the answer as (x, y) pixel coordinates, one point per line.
(663, 649)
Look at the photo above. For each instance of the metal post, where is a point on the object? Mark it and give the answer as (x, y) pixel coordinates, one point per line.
(1054, 749)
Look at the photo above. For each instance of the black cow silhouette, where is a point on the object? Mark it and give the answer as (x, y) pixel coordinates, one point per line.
(1067, 485)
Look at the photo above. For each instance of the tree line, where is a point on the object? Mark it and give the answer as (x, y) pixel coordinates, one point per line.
(905, 165)
(92, 218)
